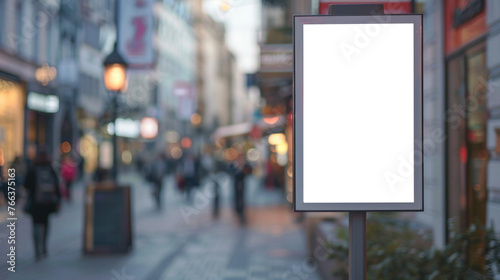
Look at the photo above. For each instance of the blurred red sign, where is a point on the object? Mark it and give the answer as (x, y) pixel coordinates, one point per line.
(390, 6)
(464, 21)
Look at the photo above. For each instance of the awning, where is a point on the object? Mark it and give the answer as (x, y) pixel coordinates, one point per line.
(246, 128)
(232, 130)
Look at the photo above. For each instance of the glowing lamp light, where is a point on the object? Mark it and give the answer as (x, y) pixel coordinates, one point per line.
(114, 71)
(276, 138)
(114, 77)
(149, 128)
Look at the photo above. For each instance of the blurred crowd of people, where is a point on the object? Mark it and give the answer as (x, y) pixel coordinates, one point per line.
(42, 184)
(188, 171)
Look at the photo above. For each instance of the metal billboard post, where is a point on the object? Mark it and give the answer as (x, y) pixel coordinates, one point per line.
(357, 245)
(357, 219)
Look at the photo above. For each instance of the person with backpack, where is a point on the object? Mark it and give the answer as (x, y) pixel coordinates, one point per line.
(44, 198)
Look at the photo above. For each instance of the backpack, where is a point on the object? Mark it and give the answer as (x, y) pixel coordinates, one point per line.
(68, 172)
(46, 186)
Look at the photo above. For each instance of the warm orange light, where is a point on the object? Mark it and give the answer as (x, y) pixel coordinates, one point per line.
(65, 147)
(231, 154)
(45, 74)
(186, 143)
(195, 119)
(114, 77)
(2, 158)
(271, 120)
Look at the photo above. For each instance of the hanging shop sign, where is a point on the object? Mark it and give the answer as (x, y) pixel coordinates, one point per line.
(43, 103)
(136, 28)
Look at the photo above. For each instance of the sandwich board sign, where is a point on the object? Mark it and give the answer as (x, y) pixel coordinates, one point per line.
(358, 113)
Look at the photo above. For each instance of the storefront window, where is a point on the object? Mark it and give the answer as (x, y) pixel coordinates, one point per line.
(11, 121)
(467, 159)
(456, 146)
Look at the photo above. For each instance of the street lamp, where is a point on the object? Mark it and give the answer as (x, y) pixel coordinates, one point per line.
(114, 80)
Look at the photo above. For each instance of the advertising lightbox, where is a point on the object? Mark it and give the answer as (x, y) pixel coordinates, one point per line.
(358, 113)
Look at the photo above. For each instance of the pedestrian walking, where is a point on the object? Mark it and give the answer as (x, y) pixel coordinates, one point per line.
(240, 169)
(44, 198)
(158, 168)
(190, 173)
(68, 173)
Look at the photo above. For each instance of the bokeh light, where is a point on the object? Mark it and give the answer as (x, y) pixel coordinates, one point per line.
(253, 154)
(176, 153)
(271, 120)
(127, 157)
(276, 138)
(195, 119)
(231, 154)
(282, 148)
(65, 147)
(186, 143)
(172, 136)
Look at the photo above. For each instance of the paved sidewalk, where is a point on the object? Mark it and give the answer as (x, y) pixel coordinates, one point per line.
(167, 245)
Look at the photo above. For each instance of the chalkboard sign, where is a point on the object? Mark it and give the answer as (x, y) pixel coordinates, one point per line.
(107, 219)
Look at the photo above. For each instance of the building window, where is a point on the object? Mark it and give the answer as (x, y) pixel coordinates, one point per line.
(3, 22)
(19, 38)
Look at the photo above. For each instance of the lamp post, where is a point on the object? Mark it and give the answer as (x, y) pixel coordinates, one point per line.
(114, 80)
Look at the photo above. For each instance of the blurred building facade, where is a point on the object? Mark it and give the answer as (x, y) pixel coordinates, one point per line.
(460, 118)
(222, 95)
(51, 58)
(274, 80)
(176, 68)
(64, 44)
(29, 96)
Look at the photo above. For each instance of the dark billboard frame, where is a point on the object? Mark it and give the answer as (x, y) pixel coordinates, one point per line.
(298, 122)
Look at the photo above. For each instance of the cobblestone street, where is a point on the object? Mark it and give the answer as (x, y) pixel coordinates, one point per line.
(168, 244)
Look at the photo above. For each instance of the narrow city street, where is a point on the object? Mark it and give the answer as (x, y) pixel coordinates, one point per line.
(181, 241)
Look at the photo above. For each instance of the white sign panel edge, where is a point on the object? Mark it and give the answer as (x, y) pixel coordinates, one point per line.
(342, 179)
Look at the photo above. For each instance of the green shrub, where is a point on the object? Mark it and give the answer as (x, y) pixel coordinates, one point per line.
(398, 249)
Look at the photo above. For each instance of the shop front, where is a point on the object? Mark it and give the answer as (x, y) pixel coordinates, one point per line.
(12, 104)
(467, 154)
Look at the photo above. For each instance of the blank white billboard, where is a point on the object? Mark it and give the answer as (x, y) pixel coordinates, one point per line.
(357, 99)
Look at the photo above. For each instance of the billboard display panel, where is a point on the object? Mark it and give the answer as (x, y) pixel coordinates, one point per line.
(358, 113)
